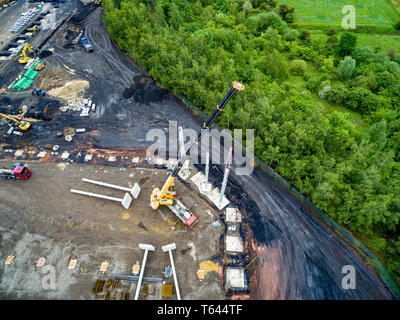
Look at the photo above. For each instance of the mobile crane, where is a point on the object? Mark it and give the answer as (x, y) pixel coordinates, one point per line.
(22, 125)
(166, 196)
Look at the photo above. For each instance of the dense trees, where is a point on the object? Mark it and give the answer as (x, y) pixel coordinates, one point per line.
(198, 47)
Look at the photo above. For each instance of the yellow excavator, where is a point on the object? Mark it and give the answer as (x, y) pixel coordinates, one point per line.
(166, 196)
(22, 125)
(23, 58)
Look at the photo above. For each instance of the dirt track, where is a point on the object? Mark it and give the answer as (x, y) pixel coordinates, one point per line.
(296, 261)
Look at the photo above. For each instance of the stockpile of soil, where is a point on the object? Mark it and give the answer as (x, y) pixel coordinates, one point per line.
(61, 84)
(144, 90)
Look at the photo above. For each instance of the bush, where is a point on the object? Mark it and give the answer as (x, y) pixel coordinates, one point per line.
(298, 67)
(346, 68)
(346, 44)
(362, 100)
(397, 25)
(290, 35)
(305, 35)
(315, 83)
(338, 95)
(363, 55)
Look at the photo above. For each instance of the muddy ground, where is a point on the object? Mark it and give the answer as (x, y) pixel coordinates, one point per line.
(295, 259)
(42, 218)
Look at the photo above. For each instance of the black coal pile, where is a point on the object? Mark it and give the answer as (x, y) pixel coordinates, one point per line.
(45, 54)
(84, 11)
(43, 109)
(145, 90)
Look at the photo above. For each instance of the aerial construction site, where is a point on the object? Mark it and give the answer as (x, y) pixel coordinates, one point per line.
(89, 211)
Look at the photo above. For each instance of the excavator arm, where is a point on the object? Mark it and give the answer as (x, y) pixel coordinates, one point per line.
(166, 196)
(24, 58)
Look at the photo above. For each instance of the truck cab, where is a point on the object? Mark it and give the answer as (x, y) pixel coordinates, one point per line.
(22, 172)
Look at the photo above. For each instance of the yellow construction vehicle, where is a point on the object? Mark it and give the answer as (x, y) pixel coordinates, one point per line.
(23, 57)
(166, 196)
(22, 125)
(39, 67)
(33, 29)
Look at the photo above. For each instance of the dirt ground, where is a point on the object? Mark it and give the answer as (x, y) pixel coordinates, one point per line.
(40, 217)
(295, 259)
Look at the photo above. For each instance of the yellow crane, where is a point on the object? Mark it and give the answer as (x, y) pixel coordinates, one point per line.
(23, 57)
(166, 196)
(22, 125)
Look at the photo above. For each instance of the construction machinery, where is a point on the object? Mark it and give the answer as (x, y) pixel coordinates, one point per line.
(39, 92)
(22, 125)
(20, 172)
(24, 57)
(35, 29)
(39, 66)
(85, 42)
(166, 196)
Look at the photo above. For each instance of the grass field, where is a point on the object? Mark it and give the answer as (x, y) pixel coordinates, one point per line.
(377, 13)
(385, 41)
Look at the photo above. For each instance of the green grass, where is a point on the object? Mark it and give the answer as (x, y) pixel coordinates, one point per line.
(385, 41)
(378, 13)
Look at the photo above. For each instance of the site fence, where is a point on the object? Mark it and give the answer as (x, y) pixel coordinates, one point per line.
(381, 269)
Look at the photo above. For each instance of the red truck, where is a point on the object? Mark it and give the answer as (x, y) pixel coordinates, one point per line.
(20, 172)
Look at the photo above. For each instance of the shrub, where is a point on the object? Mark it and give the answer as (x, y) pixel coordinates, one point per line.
(338, 94)
(305, 35)
(346, 44)
(346, 68)
(397, 25)
(362, 101)
(363, 55)
(290, 35)
(298, 67)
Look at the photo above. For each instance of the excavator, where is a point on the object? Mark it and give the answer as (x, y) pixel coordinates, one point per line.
(23, 58)
(22, 125)
(166, 196)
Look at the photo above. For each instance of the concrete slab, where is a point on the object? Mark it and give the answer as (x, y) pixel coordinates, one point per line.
(233, 215)
(235, 278)
(88, 157)
(233, 244)
(199, 179)
(19, 153)
(135, 191)
(65, 155)
(72, 264)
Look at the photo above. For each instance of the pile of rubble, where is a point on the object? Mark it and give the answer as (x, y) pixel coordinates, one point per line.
(82, 105)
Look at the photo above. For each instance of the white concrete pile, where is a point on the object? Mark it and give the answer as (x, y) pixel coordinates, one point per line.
(25, 18)
(82, 105)
(30, 63)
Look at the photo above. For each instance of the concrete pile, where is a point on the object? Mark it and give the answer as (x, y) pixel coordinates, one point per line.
(25, 18)
(82, 105)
